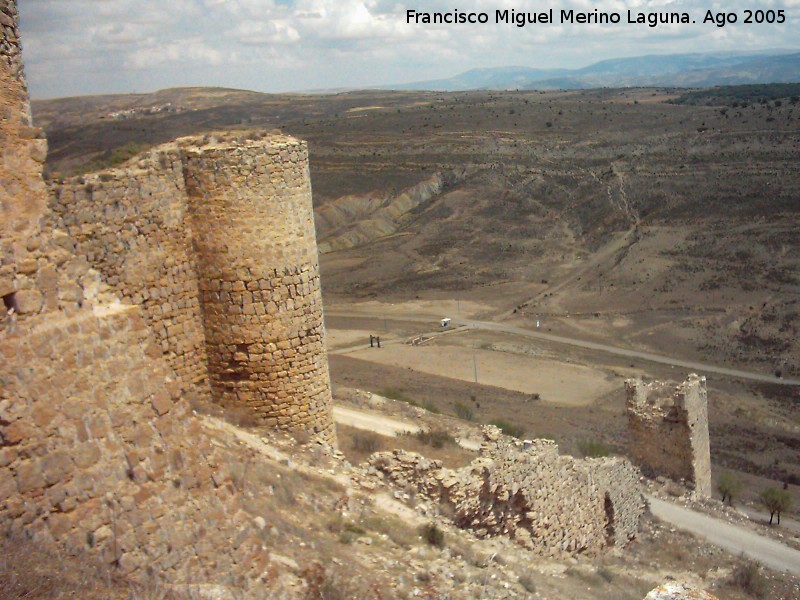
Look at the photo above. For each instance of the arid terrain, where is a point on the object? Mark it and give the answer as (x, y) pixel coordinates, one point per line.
(624, 222)
(641, 218)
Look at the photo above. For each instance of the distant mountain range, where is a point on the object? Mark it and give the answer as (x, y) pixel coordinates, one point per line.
(670, 70)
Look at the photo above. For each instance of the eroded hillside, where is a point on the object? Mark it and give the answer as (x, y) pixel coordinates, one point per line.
(626, 213)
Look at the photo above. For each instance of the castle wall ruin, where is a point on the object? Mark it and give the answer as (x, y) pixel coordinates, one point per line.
(101, 456)
(668, 428)
(214, 239)
(556, 506)
(130, 224)
(23, 196)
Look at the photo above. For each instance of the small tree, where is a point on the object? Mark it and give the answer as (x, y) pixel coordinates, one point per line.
(776, 501)
(729, 486)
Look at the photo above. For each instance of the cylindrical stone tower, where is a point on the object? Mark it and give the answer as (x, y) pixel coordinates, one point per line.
(258, 270)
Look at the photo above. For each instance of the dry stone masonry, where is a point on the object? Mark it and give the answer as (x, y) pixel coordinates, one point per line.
(554, 505)
(103, 339)
(668, 427)
(259, 280)
(22, 191)
(131, 225)
(214, 238)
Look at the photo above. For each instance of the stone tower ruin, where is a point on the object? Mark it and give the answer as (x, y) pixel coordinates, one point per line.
(668, 427)
(212, 237)
(258, 277)
(111, 288)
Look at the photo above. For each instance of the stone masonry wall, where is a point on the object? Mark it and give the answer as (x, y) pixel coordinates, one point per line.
(553, 505)
(23, 195)
(668, 427)
(99, 457)
(131, 225)
(251, 210)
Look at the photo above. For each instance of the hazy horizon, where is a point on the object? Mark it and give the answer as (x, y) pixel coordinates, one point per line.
(120, 46)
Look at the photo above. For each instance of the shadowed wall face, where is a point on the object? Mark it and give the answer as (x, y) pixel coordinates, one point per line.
(23, 195)
(252, 216)
(668, 427)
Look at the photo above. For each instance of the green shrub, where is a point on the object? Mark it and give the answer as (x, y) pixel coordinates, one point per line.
(435, 437)
(605, 573)
(593, 448)
(431, 407)
(463, 411)
(394, 393)
(729, 486)
(775, 501)
(509, 428)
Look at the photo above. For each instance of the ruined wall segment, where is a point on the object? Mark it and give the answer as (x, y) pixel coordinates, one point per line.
(130, 223)
(23, 195)
(554, 505)
(250, 205)
(668, 428)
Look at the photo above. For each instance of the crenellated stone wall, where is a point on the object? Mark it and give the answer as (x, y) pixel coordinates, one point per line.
(668, 428)
(554, 505)
(251, 210)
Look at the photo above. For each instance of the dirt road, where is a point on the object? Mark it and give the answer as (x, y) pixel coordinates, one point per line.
(372, 422)
(730, 537)
(702, 368)
(386, 425)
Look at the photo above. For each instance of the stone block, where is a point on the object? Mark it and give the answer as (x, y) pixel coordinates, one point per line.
(56, 467)
(161, 402)
(29, 476)
(29, 301)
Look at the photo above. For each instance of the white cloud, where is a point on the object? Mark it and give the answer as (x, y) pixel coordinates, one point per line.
(175, 54)
(301, 44)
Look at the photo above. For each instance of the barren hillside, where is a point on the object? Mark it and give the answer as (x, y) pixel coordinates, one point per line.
(677, 220)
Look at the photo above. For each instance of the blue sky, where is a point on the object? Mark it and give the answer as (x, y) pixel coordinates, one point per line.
(77, 47)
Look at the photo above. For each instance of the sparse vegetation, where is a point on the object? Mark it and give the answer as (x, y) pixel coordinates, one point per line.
(729, 486)
(463, 411)
(395, 394)
(436, 438)
(748, 578)
(431, 533)
(527, 582)
(366, 442)
(509, 428)
(739, 95)
(775, 501)
(593, 448)
(29, 571)
(605, 573)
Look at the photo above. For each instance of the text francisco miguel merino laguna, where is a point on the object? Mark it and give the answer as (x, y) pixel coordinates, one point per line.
(592, 17)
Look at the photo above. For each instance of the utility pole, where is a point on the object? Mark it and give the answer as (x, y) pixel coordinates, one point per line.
(474, 364)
